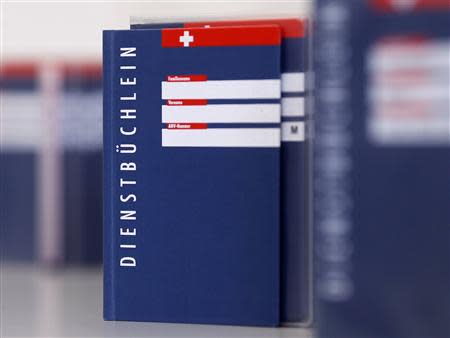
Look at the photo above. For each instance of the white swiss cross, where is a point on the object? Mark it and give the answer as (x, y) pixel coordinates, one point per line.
(186, 39)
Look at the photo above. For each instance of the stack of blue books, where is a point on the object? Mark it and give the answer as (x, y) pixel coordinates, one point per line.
(51, 157)
(205, 209)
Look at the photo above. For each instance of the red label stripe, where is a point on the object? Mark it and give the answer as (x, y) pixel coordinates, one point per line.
(404, 6)
(19, 70)
(187, 126)
(93, 70)
(290, 28)
(186, 78)
(411, 40)
(186, 102)
(221, 36)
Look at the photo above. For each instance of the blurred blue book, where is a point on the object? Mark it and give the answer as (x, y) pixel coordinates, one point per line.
(21, 129)
(51, 163)
(382, 163)
(81, 140)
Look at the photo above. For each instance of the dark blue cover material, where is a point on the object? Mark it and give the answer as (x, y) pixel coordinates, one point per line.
(207, 218)
(18, 167)
(296, 245)
(381, 198)
(81, 156)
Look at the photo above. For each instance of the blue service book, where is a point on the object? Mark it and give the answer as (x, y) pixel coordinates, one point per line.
(77, 238)
(80, 118)
(296, 286)
(382, 165)
(191, 175)
(19, 157)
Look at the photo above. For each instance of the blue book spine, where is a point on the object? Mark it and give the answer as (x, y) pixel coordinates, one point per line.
(19, 157)
(81, 141)
(108, 242)
(381, 169)
(296, 241)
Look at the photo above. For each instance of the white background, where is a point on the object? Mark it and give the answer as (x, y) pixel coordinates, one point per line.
(72, 30)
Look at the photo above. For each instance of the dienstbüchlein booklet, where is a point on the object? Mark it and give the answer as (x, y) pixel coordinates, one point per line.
(296, 282)
(191, 175)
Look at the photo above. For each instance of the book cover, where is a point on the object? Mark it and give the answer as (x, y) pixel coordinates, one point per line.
(381, 168)
(80, 112)
(20, 153)
(52, 166)
(191, 175)
(296, 283)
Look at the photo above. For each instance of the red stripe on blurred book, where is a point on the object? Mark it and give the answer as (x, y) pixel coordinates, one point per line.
(82, 69)
(21, 70)
(405, 5)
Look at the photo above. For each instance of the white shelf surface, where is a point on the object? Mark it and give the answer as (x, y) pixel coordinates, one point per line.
(39, 302)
